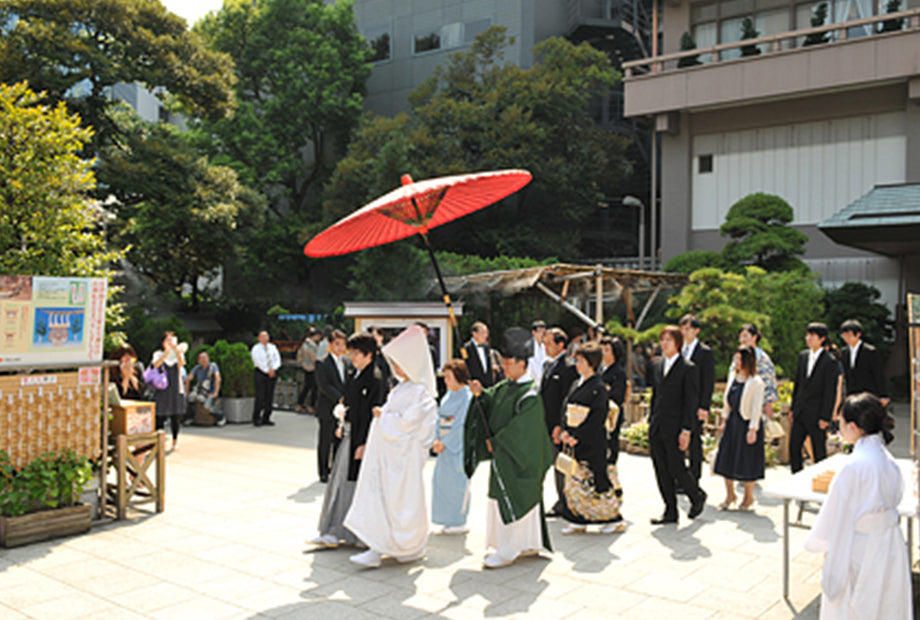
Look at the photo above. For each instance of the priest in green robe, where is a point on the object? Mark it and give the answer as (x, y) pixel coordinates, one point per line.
(505, 426)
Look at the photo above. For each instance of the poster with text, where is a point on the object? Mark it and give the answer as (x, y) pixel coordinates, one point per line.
(51, 320)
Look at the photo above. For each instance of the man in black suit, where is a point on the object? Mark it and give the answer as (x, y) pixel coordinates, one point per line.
(331, 377)
(705, 362)
(558, 377)
(813, 396)
(862, 363)
(675, 400)
(479, 355)
(364, 391)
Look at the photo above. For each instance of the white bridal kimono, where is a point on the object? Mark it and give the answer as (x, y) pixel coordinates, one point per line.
(866, 574)
(388, 512)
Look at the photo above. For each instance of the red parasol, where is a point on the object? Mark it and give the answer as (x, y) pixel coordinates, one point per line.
(414, 209)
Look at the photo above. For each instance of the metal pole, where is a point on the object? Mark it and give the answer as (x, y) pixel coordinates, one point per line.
(654, 201)
(599, 295)
(641, 237)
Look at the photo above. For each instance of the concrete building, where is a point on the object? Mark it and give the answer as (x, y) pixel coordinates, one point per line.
(821, 116)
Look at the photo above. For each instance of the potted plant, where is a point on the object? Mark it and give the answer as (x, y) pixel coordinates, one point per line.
(40, 501)
(637, 438)
(237, 388)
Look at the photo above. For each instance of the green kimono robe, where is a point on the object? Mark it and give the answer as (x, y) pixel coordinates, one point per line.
(523, 451)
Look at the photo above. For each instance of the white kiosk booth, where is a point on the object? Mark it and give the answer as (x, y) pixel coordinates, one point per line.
(393, 317)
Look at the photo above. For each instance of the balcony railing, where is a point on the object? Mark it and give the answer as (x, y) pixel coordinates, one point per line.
(773, 43)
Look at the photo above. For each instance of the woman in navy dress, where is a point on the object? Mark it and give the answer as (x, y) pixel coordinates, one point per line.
(741, 449)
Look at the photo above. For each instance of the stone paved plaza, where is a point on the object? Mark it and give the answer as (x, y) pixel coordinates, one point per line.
(241, 501)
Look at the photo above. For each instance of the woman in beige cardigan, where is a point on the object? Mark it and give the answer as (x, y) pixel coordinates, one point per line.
(740, 456)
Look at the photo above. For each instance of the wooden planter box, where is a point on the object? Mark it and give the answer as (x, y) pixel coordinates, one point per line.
(44, 525)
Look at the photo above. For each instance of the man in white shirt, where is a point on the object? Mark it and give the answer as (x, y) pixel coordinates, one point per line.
(535, 365)
(267, 361)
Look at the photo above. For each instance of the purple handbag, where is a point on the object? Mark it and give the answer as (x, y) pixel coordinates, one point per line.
(156, 377)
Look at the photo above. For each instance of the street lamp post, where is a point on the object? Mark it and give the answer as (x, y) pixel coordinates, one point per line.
(632, 201)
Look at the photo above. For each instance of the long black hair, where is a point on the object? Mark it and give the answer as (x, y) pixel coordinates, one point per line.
(866, 411)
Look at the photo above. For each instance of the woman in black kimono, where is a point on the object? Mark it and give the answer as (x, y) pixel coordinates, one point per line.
(590, 494)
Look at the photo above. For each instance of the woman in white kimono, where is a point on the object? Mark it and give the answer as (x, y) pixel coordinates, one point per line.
(866, 574)
(450, 488)
(388, 511)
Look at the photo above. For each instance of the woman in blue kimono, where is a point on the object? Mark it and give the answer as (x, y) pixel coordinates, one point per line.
(450, 496)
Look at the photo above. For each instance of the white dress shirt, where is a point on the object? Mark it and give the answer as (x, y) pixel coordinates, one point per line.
(688, 350)
(340, 366)
(481, 351)
(265, 357)
(854, 351)
(812, 359)
(668, 364)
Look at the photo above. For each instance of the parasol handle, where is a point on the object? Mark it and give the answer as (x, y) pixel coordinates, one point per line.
(457, 336)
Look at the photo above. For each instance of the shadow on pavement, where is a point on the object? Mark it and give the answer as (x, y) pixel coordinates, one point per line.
(682, 541)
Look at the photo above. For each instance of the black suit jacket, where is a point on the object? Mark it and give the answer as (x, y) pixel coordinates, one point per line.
(705, 363)
(554, 387)
(363, 392)
(330, 386)
(813, 397)
(867, 375)
(474, 364)
(675, 398)
(614, 377)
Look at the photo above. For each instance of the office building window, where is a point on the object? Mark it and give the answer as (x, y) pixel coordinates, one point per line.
(705, 163)
(474, 28)
(380, 43)
(430, 35)
(163, 114)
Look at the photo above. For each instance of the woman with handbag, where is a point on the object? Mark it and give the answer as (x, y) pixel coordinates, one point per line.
(591, 485)
(169, 396)
(740, 456)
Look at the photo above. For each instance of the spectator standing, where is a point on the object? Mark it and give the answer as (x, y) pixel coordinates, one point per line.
(306, 357)
(170, 402)
(128, 376)
(267, 361)
(479, 355)
(749, 335)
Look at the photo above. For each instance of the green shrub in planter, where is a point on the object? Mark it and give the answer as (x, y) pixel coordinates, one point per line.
(54, 480)
(637, 435)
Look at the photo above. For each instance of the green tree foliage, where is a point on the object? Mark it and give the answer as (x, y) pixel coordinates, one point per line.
(856, 300)
(819, 18)
(757, 225)
(688, 262)
(749, 32)
(477, 113)
(75, 50)
(892, 25)
(687, 43)
(48, 226)
(781, 304)
(302, 68)
(178, 214)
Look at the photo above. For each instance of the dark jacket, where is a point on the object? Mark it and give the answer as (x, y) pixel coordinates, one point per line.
(330, 386)
(867, 375)
(554, 387)
(591, 434)
(705, 363)
(363, 392)
(675, 398)
(813, 397)
(614, 377)
(474, 364)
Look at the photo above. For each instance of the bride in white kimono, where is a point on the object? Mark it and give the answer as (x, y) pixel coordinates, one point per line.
(388, 511)
(866, 574)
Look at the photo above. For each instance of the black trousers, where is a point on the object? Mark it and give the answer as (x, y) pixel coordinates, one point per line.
(800, 430)
(559, 479)
(308, 391)
(265, 394)
(326, 445)
(175, 423)
(668, 461)
(695, 450)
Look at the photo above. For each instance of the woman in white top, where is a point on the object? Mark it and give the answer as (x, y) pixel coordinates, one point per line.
(866, 574)
(740, 456)
(170, 403)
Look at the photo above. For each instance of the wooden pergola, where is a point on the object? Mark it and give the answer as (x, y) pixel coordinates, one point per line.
(564, 282)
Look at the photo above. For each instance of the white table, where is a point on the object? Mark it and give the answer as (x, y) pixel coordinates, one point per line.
(798, 487)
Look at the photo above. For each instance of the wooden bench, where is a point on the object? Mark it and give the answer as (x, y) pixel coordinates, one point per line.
(133, 456)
